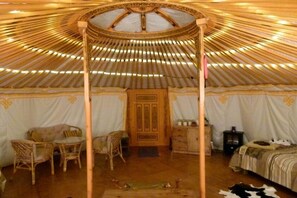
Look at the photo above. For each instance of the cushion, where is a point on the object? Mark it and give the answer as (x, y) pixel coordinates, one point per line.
(48, 134)
(41, 154)
(72, 133)
(100, 145)
(36, 136)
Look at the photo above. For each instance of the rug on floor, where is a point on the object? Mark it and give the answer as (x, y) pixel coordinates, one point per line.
(145, 193)
(148, 151)
(242, 190)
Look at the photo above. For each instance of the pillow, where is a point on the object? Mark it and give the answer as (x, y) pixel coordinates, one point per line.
(36, 137)
(72, 133)
(281, 142)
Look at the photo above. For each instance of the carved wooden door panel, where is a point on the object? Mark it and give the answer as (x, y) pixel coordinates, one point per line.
(146, 117)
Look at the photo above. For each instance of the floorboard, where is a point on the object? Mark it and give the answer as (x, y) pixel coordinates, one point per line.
(174, 168)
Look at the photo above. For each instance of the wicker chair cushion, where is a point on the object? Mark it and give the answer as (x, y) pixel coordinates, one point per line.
(41, 154)
(100, 145)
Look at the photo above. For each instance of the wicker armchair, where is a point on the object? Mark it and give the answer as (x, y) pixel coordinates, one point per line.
(109, 145)
(28, 154)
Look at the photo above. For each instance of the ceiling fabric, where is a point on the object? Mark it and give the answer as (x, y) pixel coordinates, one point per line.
(246, 43)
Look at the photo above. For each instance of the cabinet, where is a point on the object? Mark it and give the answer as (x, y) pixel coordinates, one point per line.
(185, 139)
(232, 140)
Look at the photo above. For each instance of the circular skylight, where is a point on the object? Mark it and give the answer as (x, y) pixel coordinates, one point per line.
(141, 20)
(151, 20)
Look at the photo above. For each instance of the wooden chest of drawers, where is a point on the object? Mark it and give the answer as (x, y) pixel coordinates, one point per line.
(185, 139)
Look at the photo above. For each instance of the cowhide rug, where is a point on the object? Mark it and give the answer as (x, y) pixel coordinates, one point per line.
(242, 190)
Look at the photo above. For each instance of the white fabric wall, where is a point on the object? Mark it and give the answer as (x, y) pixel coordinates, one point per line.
(261, 114)
(183, 104)
(19, 112)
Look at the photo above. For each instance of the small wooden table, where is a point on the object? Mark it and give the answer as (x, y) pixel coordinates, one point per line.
(70, 149)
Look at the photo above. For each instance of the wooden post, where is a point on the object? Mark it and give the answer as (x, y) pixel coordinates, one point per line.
(199, 55)
(88, 111)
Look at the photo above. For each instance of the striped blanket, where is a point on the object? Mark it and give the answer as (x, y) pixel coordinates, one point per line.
(279, 165)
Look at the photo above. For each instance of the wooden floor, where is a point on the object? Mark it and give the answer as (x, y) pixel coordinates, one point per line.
(165, 168)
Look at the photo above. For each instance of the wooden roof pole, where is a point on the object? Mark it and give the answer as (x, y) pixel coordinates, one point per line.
(82, 25)
(200, 66)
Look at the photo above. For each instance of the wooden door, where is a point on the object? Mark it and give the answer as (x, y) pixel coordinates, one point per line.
(146, 117)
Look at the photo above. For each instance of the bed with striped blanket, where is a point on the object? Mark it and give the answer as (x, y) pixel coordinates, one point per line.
(278, 165)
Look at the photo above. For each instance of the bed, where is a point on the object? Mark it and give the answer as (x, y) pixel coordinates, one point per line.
(275, 162)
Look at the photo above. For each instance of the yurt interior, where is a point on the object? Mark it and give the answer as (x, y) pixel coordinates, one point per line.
(175, 98)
